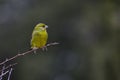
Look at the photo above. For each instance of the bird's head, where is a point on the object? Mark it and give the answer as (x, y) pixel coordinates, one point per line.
(41, 26)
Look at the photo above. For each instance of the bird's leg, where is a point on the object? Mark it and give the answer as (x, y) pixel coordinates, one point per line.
(44, 48)
(35, 48)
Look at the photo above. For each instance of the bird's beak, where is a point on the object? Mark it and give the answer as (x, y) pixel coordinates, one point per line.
(46, 26)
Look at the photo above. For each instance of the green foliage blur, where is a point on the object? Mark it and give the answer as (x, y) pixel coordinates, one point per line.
(88, 32)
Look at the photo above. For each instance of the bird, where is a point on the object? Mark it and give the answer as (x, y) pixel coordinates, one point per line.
(39, 37)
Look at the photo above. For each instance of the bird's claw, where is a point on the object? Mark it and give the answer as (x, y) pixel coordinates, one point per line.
(35, 48)
(44, 48)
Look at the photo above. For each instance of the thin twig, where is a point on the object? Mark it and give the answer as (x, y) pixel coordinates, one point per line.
(52, 44)
(27, 52)
(2, 71)
(4, 74)
(18, 55)
(11, 65)
(10, 73)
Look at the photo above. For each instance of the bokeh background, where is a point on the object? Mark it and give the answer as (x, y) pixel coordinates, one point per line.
(88, 32)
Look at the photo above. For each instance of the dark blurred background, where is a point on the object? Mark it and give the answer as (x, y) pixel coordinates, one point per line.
(88, 32)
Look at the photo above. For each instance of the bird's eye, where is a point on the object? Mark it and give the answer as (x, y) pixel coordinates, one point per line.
(43, 26)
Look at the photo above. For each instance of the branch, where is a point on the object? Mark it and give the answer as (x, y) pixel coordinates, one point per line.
(9, 66)
(4, 73)
(10, 73)
(27, 52)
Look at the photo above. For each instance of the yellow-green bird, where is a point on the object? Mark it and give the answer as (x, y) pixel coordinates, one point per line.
(39, 36)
